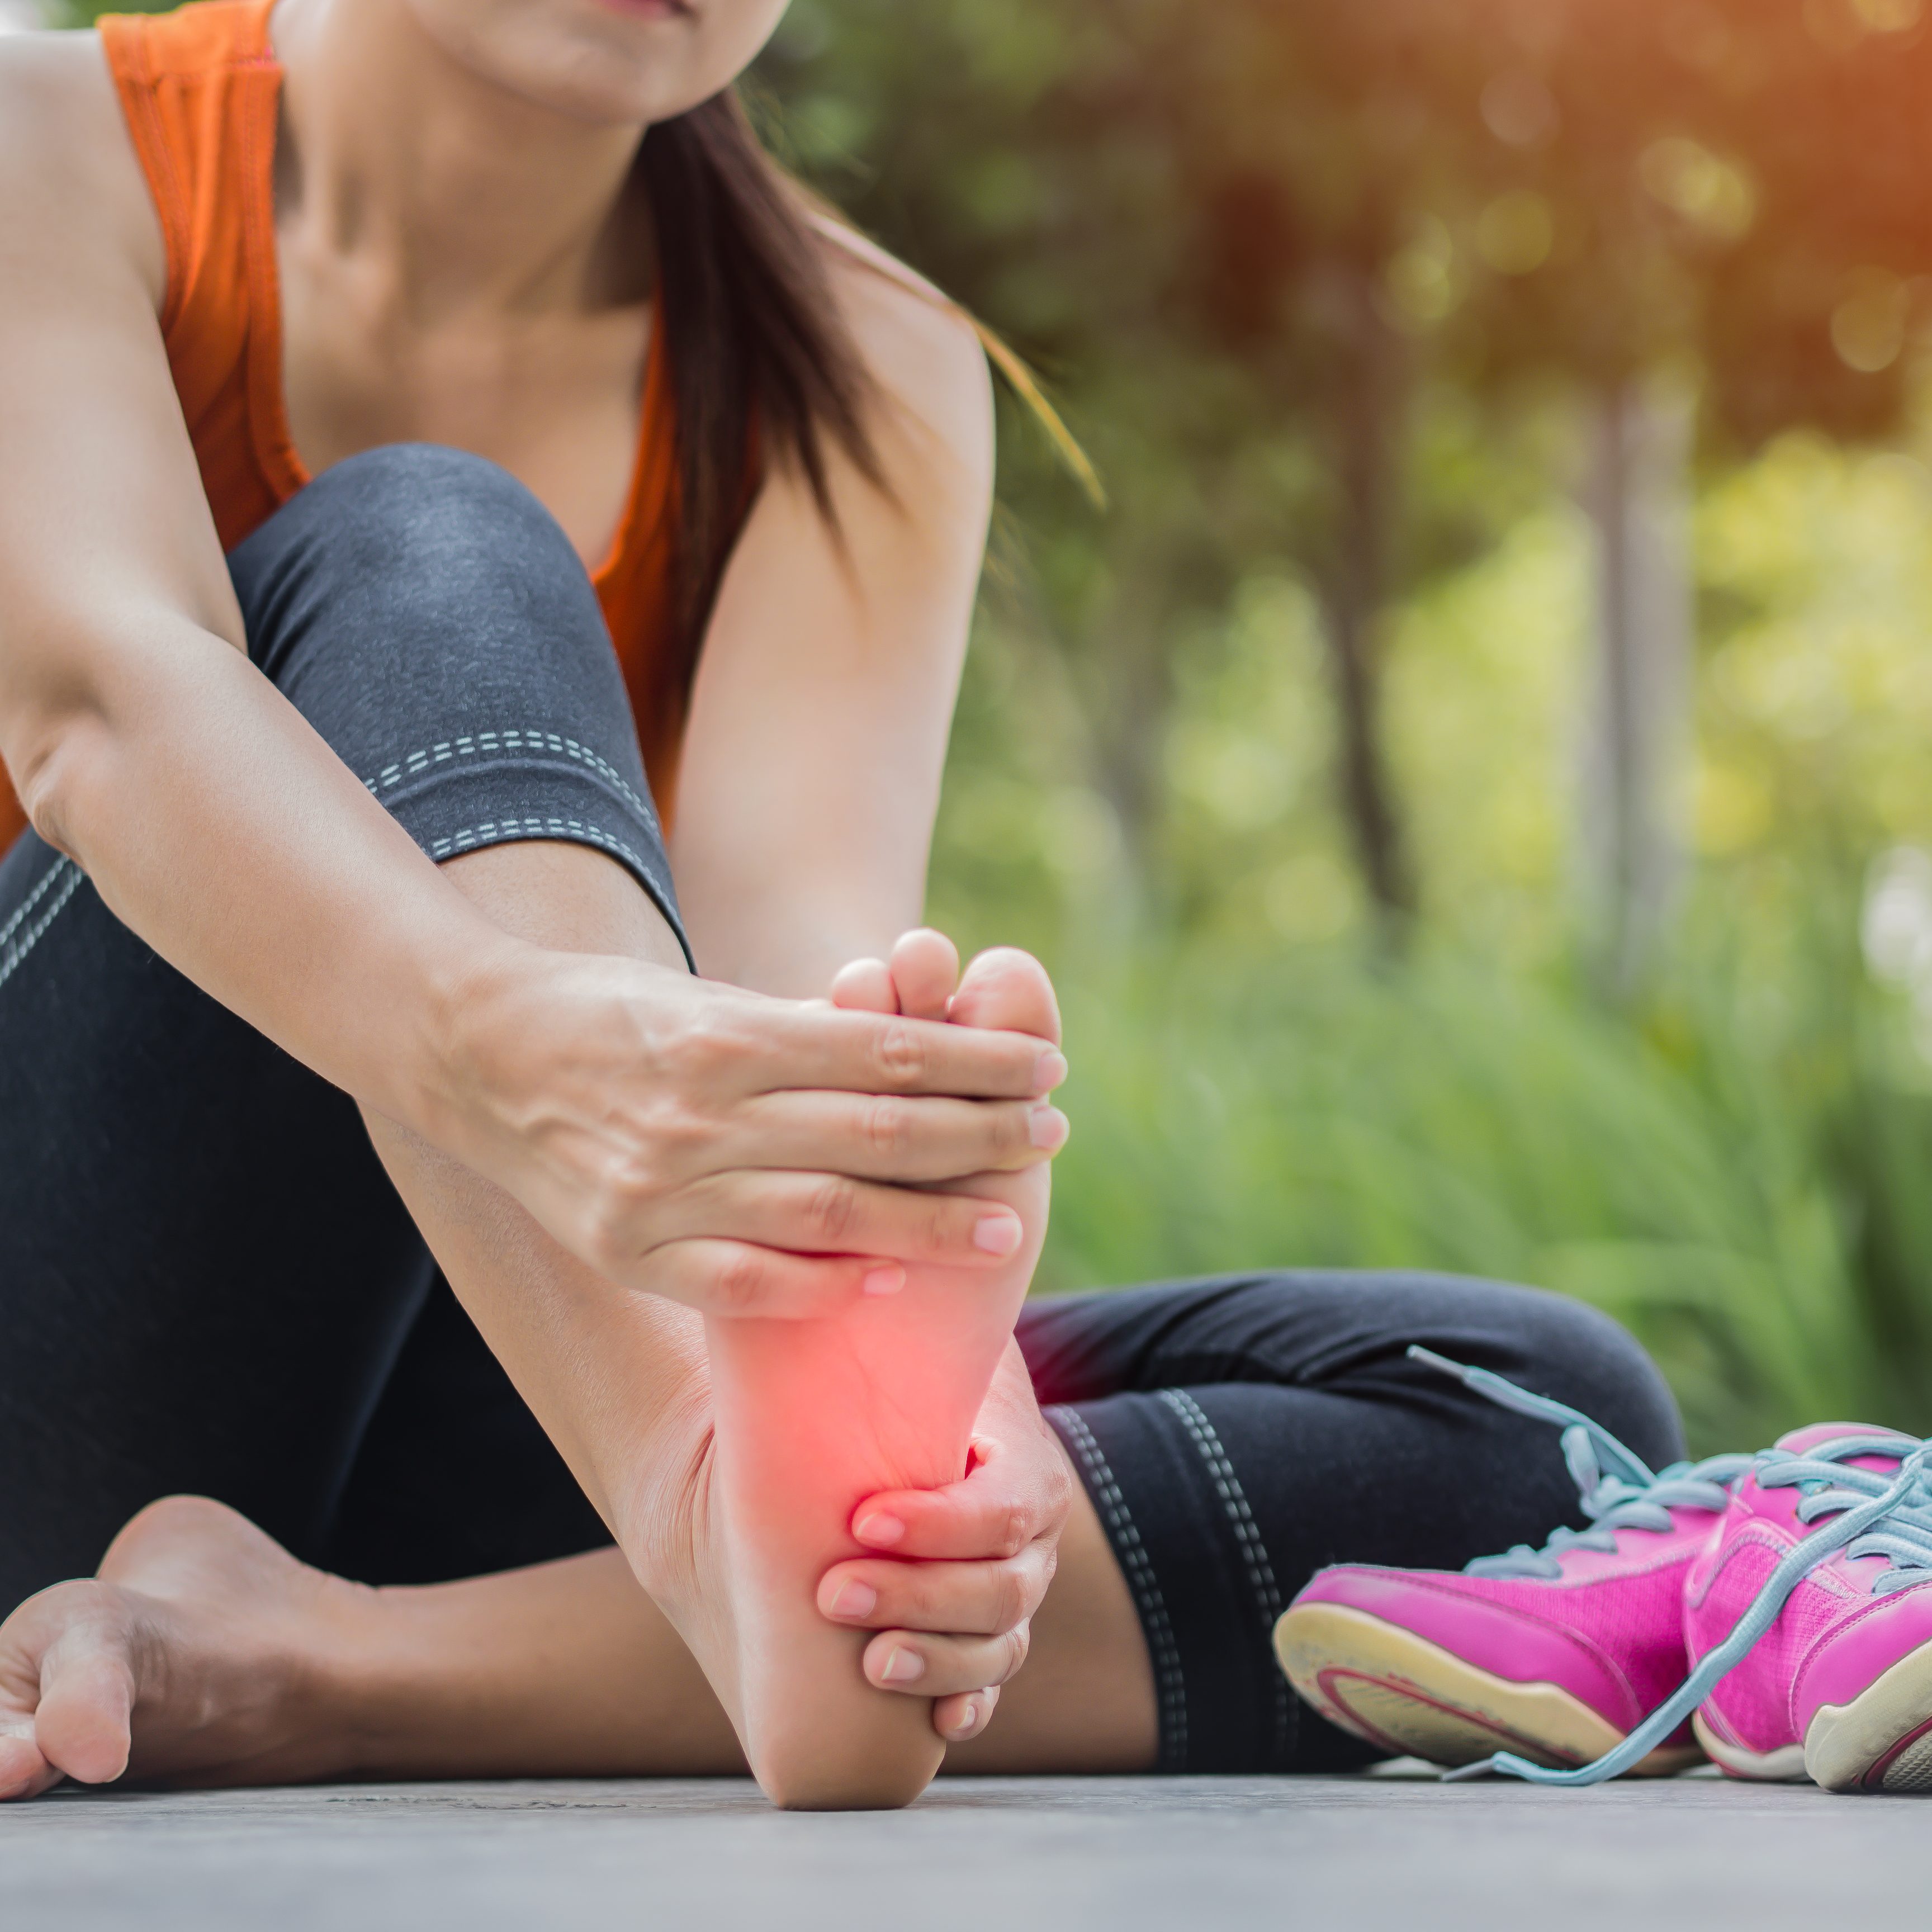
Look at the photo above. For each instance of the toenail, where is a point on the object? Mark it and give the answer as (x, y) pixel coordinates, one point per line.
(883, 1531)
(1046, 1127)
(903, 1666)
(965, 1726)
(997, 1233)
(884, 1281)
(1050, 1072)
(855, 1599)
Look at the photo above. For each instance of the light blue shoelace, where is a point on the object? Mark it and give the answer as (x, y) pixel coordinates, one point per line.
(1875, 1517)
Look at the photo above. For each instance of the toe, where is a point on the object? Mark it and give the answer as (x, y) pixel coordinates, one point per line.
(865, 986)
(84, 1724)
(1008, 988)
(925, 969)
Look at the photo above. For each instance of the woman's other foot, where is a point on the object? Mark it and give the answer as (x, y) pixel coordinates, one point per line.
(193, 1658)
(812, 1417)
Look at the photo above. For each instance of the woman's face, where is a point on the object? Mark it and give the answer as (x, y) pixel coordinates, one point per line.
(617, 61)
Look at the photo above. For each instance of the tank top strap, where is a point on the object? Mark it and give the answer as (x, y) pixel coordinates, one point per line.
(199, 88)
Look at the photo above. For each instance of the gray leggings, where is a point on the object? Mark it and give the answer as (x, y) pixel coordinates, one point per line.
(207, 1284)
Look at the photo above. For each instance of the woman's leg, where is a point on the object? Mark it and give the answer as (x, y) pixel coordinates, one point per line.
(1237, 1434)
(205, 1275)
(431, 621)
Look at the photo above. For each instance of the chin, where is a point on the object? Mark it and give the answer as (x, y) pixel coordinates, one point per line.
(617, 61)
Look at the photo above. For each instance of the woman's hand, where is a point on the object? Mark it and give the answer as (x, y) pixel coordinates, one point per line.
(961, 1571)
(743, 1155)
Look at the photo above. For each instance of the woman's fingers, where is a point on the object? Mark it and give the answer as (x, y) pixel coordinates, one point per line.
(980, 1599)
(888, 1137)
(728, 1278)
(1018, 1492)
(795, 1045)
(958, 1719)
(925, 1665)
(832, 1214)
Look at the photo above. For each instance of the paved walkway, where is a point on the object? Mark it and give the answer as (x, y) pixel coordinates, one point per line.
(1011, 1855)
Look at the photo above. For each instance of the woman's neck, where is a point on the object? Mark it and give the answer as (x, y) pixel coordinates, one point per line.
(459, 193)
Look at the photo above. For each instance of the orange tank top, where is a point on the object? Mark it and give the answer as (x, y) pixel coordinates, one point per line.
(200, 88)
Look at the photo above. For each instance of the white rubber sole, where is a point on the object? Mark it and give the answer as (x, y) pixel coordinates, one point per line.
(1880, 1741)
(1411, 1697)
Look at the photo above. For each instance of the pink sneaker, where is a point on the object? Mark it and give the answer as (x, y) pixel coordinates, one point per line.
(1554, 1655)
(1838, 1684)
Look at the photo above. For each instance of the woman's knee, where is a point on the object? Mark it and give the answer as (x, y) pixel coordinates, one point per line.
(417, 555)
(1578, 1354)
(425, 613)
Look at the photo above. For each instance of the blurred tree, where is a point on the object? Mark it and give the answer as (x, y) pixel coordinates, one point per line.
(1245, 239)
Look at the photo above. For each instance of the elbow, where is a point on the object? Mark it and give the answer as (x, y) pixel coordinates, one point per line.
(50, 744)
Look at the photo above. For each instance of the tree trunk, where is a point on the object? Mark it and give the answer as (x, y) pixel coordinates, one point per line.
(1635, 734)
(1367, 414)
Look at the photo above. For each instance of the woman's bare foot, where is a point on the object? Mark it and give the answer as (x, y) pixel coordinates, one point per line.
(811, 1417)
(187, 1659)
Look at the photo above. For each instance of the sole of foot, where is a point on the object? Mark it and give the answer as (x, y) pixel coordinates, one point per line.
(813, 1417)
(1412, 1698)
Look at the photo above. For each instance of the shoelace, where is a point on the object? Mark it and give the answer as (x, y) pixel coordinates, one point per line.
(1614, 1486)
(1876, 1517)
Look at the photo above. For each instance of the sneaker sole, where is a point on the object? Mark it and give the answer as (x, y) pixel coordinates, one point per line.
(1882, 1740)
(1409, 1696)
(1785, 1765)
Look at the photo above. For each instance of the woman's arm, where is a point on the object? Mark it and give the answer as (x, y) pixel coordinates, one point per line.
(811, 781)
(218, 826)
(824, 696)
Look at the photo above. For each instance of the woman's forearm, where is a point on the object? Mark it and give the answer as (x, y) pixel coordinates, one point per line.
(216, 822)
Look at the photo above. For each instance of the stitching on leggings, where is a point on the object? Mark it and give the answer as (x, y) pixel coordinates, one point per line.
(483, 744)
(1125, 1538)
(17, 950)
(1248, 1535)
(493, 831)
(34, 898)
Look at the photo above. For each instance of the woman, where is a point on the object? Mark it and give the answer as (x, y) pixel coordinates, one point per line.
(369, 368)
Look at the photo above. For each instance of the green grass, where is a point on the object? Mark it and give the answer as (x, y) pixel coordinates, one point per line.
(1761, 1227)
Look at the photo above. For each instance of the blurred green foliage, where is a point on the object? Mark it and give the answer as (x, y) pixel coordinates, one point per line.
(1326, 290)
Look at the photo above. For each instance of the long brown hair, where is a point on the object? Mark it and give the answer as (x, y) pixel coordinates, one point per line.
(763, 369)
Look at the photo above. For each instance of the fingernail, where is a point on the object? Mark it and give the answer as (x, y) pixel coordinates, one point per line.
(855, 1599)
(1050, 1072)
(903, 1666)
(881, 1530)
(1047, 1128)
(966, 1724)
(997, 1233)
(884, 1281)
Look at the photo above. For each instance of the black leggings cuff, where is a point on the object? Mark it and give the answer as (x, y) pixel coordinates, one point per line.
(1203, 1581)
(475, 789)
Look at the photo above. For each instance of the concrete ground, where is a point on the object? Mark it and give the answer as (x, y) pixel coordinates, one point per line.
(1007, 1855)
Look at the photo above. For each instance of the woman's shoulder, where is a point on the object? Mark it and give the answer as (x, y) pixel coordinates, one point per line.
(920, 346)
(66, 158)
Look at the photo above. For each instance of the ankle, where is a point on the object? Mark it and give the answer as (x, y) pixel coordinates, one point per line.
(346, 1681)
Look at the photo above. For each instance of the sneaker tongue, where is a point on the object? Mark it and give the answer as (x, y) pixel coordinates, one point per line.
(1801, 1442)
